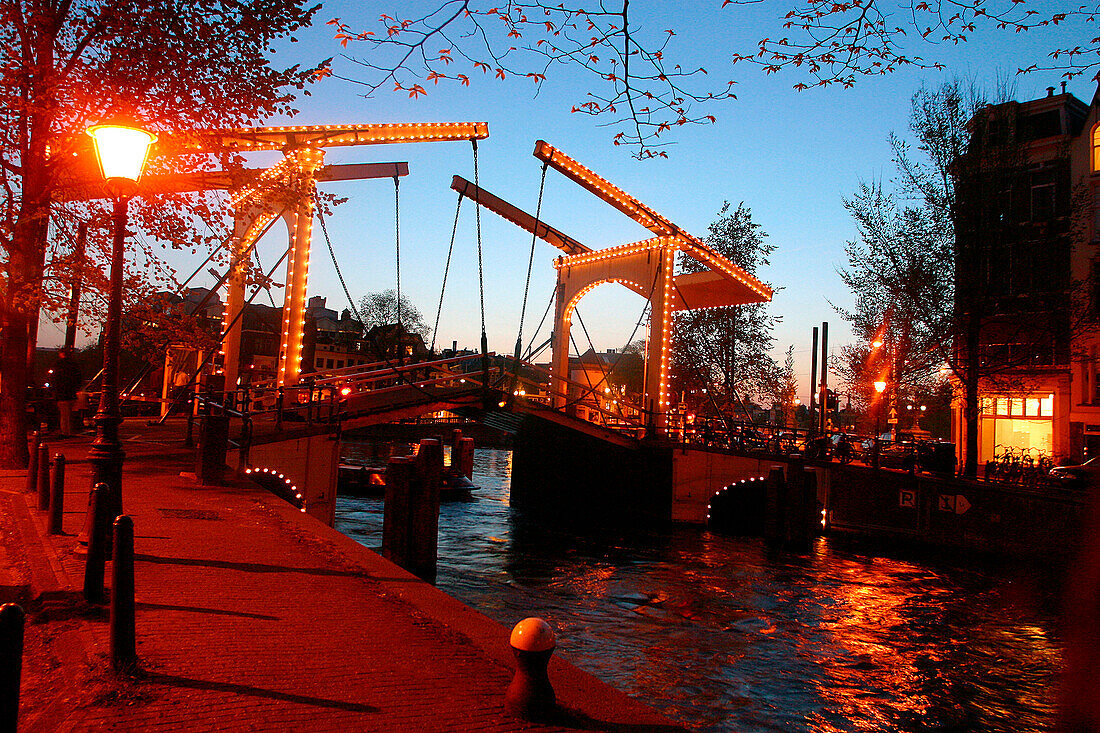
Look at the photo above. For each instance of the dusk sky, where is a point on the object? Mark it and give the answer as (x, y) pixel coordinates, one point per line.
(789, 156)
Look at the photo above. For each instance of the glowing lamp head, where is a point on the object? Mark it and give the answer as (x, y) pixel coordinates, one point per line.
(345, 391)
(877, 344)
(121, 149)
(880, 387)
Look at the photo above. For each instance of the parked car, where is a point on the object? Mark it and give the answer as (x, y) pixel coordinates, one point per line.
(1081, 476)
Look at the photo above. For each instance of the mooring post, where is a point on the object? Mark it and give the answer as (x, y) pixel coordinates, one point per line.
(96, 561)
(395, 512)
(123, 634)
(530, 695)
(424, 509)
(57, 494)
(774, 505)
(43, 476)
(12, 620)
(32, 465)
(465, 457)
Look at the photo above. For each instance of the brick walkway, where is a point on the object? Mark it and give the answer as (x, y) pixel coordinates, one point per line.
(252, 616)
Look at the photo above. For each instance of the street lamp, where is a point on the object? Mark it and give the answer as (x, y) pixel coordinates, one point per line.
(121, 148)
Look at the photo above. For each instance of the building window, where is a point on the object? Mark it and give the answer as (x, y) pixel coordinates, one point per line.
(339, 363)
(1042, 202)
(328, 363)
(1096, 149)
(319, 362)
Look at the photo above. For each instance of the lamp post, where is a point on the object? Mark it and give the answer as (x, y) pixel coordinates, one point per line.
(121, 149)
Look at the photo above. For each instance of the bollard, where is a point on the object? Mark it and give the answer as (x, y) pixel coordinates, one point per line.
(96, 560)
(43, 476)
(123, 634)
(12, 621)
(57, 494)
(465, 464)
(32, 464)
(530, 695)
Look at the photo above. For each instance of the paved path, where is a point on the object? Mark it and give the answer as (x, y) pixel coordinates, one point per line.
(254, 617)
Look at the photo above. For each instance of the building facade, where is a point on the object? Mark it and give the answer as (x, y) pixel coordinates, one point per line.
(1027, 256)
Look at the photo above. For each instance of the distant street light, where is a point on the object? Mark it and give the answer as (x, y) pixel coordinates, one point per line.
(121, 148)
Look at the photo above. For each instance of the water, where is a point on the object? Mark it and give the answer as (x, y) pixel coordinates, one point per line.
(722, 635)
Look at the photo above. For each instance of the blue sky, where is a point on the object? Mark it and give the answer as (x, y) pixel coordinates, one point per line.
(789, 156)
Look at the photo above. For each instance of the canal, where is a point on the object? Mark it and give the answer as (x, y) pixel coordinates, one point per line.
(723, 635)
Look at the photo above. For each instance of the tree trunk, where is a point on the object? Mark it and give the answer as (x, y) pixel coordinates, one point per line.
(27, 255)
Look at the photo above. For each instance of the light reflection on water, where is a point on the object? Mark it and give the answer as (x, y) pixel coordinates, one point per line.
(722, 634)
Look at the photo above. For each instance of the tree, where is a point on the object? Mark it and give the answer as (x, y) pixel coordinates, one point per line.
(628, 68)
(383, 308)
(183, 66)
(727, 350)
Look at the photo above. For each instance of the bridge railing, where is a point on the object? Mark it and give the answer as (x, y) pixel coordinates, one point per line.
(626, 417)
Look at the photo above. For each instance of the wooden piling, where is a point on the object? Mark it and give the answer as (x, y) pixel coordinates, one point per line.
(410, 522)
(395, 516)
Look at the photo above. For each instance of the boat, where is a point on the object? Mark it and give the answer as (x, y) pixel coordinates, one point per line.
(360, 479)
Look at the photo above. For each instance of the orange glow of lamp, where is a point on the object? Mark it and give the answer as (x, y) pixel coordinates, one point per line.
(880, 387)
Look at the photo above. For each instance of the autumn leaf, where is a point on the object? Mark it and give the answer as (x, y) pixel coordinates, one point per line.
(500, 73)
(416, 91)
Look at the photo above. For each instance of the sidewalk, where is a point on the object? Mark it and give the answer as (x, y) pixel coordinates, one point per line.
(252, 616)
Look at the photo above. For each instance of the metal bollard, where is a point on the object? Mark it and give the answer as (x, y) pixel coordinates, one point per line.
(12, 621)
(57, 494)
(530, 695)
(43, 476)
(96, 561)
(32, 465)
(123, 634)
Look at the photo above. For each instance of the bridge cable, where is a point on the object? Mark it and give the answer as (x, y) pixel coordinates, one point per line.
(637, 325)
(398, 373)
(397, 238)
(148, 366)
(210, 354)
(481, 279)
(335, 264)
(446, 271)
(545, 313)
(530, 264)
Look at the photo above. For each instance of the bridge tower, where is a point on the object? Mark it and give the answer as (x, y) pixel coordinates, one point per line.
(286, 191)
(647, 268)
